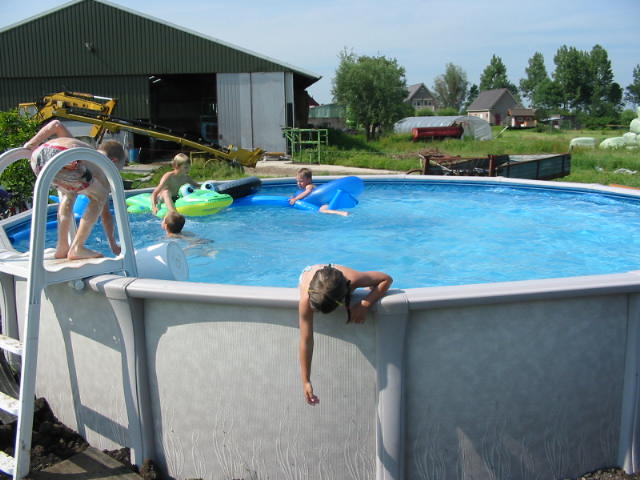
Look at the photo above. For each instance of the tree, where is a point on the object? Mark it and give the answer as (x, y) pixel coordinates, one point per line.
(471, 95)
(606, 95)
(633, 90)
(451, 87)
(536, 74)
(495, 76)
(547, 95)
(570, 75)
(585, 80)
(372, 89)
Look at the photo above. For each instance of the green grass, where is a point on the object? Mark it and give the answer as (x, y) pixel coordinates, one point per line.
(201, 170)
(399, 153)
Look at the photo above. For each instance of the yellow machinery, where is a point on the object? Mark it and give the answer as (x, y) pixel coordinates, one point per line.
(83, 107)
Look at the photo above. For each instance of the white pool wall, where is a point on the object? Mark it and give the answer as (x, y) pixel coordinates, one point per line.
(518, 380)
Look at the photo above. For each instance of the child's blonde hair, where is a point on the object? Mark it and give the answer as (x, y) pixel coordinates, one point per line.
(179, 160)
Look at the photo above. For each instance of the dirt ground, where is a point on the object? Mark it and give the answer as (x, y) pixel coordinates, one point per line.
(53, 442)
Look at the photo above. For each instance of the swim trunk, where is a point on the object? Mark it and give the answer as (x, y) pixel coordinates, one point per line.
(73, 177)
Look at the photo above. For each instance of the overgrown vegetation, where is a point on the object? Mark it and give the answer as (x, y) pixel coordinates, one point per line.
(18, 178)
(202, 169)
(398, 152)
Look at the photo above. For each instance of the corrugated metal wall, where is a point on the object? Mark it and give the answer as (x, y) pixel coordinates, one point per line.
(132, 92)
(252, 109)
(234, 109)
(90, 38)
(268, 112)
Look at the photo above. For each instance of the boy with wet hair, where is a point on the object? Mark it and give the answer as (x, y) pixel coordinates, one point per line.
(173, 223)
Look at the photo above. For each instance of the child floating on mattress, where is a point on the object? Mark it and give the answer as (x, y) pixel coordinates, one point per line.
(77, 177)
(170, 183)
(323, 288)
(305, 183)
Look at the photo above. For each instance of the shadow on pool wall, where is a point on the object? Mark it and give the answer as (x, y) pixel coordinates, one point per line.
(519, 380)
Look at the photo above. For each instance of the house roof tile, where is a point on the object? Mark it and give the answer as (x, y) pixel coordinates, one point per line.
(487, 99)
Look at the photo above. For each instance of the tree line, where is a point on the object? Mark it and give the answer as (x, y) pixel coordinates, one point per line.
(373, 89)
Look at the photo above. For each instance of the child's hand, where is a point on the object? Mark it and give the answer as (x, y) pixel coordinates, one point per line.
(358, 313)
(292, 200)
(308, 394)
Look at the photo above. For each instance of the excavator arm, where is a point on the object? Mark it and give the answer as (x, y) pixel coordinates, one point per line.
(98, 111)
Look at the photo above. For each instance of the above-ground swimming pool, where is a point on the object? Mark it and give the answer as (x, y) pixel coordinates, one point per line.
(424, 233)
(463, 379)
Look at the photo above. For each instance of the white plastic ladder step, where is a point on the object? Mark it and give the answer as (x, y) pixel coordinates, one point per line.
(7, 463)
(11, 344)
(9, 404)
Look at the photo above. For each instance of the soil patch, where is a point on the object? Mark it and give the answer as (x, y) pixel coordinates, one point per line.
(52, 442)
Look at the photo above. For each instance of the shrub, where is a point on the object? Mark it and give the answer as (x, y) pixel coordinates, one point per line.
(18, 179)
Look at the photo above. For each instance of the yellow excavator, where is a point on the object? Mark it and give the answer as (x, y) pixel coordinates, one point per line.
(98, 111)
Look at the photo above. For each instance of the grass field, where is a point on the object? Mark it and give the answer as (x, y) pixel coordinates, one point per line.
(398, 152)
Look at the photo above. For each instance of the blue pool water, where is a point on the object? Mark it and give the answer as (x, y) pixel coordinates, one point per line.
(431, 234)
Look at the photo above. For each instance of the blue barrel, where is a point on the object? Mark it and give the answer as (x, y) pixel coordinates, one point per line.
(134, 155)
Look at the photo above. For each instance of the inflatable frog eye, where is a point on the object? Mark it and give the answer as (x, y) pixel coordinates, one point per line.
(208, 185)
(185, 190)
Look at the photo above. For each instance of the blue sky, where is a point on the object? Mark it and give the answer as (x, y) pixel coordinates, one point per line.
(422, 35)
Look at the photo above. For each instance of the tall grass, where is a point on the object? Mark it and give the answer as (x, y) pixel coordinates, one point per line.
(398, 152)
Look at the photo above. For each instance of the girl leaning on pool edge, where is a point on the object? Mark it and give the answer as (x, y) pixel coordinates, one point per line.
(323, 288)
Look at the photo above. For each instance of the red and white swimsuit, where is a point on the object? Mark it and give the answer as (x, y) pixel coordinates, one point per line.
(73, 177)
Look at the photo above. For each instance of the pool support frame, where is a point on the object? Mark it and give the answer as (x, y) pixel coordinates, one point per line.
(151, 339)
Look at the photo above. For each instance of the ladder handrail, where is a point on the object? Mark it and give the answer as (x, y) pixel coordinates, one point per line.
(41, 200)
(13, 155)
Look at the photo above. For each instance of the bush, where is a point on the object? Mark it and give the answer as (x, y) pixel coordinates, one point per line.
(425, 112)
(626, 116)
(18, 179)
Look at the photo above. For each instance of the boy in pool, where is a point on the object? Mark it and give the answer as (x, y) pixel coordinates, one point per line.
(323, 288)
(305, 183)
(172, 223)
(171, 182)
(78, 177)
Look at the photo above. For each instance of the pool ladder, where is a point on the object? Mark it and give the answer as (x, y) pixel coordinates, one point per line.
(34, 268)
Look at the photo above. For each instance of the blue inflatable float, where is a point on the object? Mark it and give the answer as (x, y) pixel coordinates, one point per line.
(336, 194)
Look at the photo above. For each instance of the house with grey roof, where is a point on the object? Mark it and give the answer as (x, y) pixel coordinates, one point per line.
(493, 106)
(420, 97)
(520, 117)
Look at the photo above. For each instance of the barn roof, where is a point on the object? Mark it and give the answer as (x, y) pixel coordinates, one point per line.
(95, 37)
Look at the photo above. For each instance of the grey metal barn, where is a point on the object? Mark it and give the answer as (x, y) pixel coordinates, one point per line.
(160, 73)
